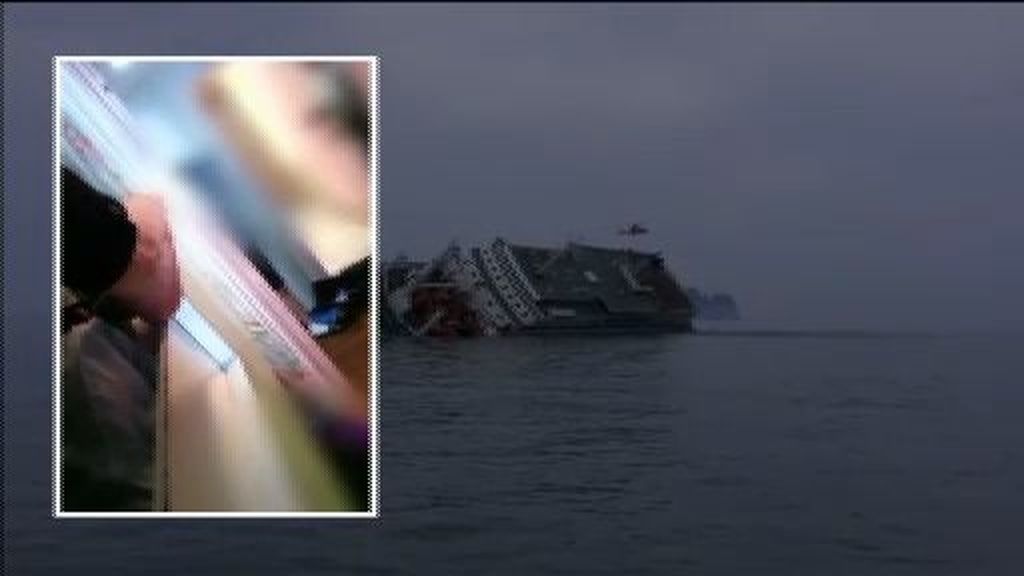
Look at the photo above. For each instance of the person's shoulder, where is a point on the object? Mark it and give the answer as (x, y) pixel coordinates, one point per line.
(110, 372)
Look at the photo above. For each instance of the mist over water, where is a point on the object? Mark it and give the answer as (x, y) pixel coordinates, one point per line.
(611, 455)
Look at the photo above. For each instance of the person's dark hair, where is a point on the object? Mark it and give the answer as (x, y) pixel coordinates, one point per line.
(97, 237)
(347, 109)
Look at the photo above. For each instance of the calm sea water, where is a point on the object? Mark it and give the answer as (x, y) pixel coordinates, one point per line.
(630, 455)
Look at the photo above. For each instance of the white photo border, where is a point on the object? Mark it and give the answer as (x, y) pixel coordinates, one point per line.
(374, 395)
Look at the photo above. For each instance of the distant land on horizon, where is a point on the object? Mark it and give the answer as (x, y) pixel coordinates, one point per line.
(718, 306)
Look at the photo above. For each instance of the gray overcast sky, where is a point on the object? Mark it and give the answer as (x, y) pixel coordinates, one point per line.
(832, 166)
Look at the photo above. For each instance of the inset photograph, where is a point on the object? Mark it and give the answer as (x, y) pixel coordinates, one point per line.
(216, 265)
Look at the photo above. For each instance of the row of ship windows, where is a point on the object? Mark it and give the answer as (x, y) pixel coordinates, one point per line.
(504, 269)
(505, 284)
(501, 269)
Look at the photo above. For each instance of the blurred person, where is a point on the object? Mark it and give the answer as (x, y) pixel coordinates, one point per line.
(117, 262)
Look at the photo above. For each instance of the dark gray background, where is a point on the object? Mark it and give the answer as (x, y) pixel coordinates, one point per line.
(832, 166)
